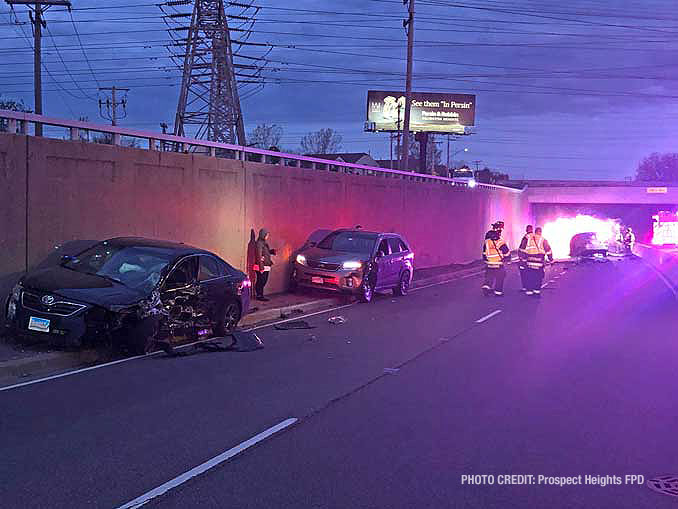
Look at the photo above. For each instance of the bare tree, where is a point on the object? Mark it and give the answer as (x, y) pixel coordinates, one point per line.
(10, 104)
(324, 141)
(266, 136)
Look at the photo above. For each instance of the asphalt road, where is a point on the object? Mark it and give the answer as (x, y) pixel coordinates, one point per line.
(578, 382)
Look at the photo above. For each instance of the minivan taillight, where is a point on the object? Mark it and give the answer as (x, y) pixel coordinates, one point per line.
(245, 284)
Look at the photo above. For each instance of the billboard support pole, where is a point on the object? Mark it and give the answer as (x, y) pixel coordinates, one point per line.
(408, 87)
(390, 139)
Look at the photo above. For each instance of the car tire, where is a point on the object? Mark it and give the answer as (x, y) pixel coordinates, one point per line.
(366, 291)
(230, 318)
(403, 285)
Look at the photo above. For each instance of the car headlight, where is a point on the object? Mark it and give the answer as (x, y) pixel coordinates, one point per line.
(301, 259)
(352, 265)
(16, 292)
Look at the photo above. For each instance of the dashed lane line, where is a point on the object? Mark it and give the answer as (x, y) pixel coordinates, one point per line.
(204, 467)
(487, 317)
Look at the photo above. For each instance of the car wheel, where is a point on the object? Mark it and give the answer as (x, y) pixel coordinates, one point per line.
(230, 318)
(403, 285)
(366, 291)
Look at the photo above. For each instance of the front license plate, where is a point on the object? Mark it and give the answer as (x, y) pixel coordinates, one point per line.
(317, 280)
(38, 324)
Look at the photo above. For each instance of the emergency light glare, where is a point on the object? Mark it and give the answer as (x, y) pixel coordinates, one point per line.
(301, 259)
(560, 232)
(472, 183)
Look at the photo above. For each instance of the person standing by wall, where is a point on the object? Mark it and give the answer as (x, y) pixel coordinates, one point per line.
(522, 255)
(263, 263)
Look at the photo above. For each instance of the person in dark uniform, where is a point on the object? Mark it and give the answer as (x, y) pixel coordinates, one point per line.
(263, 263)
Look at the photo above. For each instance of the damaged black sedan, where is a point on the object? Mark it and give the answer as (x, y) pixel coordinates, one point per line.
(129, 292)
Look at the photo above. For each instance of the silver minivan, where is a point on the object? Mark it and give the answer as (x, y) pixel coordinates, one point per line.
(357, 262)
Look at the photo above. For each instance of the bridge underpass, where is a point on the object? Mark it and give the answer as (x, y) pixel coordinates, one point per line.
(633, 204)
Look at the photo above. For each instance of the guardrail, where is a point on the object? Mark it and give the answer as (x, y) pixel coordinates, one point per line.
(18, 122)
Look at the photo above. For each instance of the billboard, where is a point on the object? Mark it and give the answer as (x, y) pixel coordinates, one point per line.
(430, 112)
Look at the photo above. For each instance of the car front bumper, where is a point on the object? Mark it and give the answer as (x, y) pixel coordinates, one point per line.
(347, 281)
(63, 331)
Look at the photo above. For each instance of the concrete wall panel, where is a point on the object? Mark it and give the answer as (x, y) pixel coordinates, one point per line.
(81, 190)
(12, 203)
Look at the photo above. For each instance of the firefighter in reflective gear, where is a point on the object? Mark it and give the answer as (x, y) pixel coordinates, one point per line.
(495, 253)
(522, 255)
(537, 250)
(496, 227)
(629, 240)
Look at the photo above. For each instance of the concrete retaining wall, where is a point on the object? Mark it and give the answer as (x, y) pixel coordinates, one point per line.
(54, 191)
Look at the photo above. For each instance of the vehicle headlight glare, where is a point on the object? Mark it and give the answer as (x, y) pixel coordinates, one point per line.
(301, 259)
(352, 265)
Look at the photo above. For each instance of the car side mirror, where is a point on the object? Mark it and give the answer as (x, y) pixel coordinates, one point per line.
(312, 244)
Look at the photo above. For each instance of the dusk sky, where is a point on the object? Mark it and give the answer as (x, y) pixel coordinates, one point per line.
(576, 90)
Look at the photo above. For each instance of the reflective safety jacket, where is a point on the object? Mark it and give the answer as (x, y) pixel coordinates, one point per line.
(535, 249)
(494, 253)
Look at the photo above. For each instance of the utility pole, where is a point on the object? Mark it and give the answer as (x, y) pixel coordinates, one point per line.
(399, 153)
(112, 104)
(478, 161)
(409, 25)
(37, 8)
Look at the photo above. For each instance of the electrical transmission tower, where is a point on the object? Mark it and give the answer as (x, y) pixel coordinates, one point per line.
(209, 99)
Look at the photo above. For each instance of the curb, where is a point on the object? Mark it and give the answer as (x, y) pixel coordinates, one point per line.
(271, 314)
(44, 363)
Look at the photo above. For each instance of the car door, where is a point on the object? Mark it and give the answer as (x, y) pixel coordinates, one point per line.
(382, 261)
(397, 258)
(212, 285)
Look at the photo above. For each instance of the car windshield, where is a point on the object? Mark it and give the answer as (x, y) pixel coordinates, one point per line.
(349, 242)
(138, 267)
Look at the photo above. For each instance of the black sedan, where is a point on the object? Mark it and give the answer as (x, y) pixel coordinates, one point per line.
(129, 291)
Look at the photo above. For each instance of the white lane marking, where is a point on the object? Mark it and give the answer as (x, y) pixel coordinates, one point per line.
(391, 371)
(126, 359)
(169, 485)
(487, 317)
(666, 281)
(68, 373)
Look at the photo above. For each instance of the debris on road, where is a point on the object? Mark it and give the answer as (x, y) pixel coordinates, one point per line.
(336, 320)
(295, 324)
